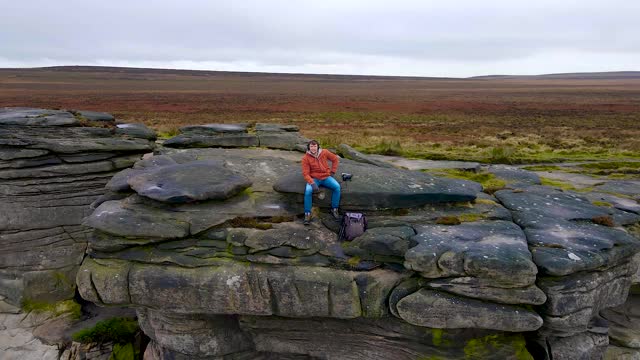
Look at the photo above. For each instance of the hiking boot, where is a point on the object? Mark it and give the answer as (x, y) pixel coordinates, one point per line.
(334, 212)
(307, 218)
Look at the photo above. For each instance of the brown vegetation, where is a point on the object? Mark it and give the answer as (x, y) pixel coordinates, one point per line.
(491, 119)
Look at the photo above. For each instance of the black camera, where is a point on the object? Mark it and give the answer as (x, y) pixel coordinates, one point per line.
(346, 176)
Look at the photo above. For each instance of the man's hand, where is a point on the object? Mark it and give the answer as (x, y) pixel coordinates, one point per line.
(315, 188)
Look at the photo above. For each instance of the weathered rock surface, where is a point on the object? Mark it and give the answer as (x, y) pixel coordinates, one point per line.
(439, 254)
(350, 153)
(272, 136)
(51, 170)
(628, 188)
(195, 181)
(207, 245)
(436, 309)
(513, 176)
(374, 188)
(419, 164)
(494, 250)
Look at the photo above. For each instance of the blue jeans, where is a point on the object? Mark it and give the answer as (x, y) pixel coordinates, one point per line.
(331, 184)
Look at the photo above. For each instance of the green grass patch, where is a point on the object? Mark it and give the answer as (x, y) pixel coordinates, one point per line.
(58, 308)
(471, 217)
(601, 203)
(556, 183)
(543, 168)
(118, 330)
(490, 183)
(613, 165)
(167, 132)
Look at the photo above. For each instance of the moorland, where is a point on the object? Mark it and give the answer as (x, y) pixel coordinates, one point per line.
(495, 119)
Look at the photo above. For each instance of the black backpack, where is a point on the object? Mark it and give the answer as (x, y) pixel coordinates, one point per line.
(353, 225)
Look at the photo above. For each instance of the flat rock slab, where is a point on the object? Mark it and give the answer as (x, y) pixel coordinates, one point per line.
(348, 152)
(629, 188)
(36, 117)
(207, 129)
(96, 115)
(113, 218)
(240, 289)
(535, 203)
(568, 247)
(514, 176)
(70, 140)
(418, 164)
(374, 187)
(561, 233)
(436, 309)
(195, 181)
(136, 130)
(294, 235)
(620, 203)
(484, 289)
(494, 250)
(265, 127)
(196, 140)
(139, 217)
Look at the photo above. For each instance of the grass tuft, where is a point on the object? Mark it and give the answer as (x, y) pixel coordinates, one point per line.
(604, 220)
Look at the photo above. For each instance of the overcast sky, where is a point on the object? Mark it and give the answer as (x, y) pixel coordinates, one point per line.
(422, 37)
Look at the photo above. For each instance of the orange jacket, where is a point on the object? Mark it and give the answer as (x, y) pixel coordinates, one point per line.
(317, 167)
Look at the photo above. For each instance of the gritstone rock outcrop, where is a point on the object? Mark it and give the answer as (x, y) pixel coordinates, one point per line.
(204, 239)
(53, 164)
(219, 264)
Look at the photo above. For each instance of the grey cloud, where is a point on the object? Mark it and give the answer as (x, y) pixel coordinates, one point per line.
(290, 33)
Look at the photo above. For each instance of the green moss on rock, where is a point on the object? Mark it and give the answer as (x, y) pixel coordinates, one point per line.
(118, 330)
(58, 308)
(485, 347)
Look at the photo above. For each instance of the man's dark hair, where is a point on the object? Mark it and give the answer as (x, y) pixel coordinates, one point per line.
(312, 142)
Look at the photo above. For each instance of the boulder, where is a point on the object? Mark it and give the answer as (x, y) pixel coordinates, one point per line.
(195, 181)
(112, 217)
(385, 241)
(573, 301)
(445, 311)
(561, 231)
(374, 188)
(495, 250)
(196, 335)
(36, 117)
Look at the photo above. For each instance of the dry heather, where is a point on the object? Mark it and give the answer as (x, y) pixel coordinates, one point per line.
(492, 120)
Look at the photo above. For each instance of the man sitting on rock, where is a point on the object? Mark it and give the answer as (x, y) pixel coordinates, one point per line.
(316, 172)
